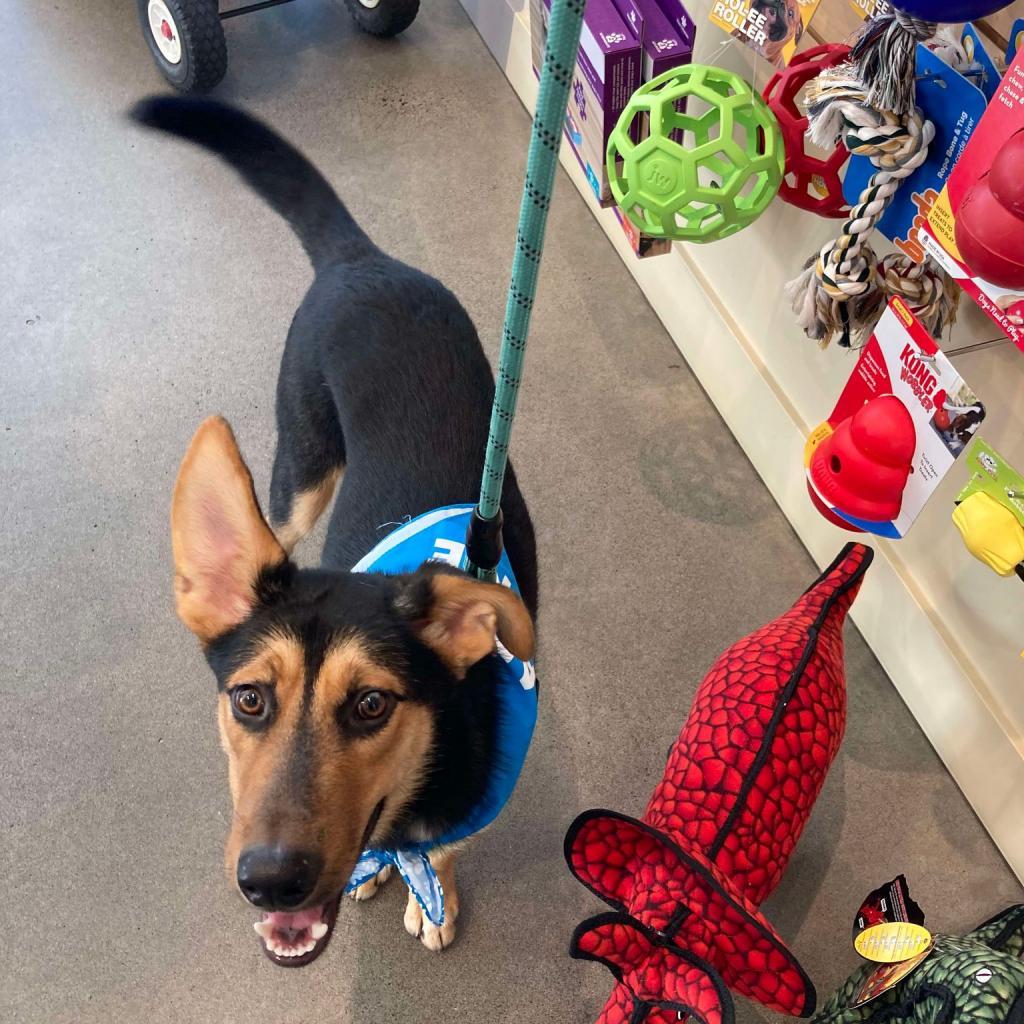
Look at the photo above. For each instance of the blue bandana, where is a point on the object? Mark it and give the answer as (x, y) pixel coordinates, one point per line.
(440, 536)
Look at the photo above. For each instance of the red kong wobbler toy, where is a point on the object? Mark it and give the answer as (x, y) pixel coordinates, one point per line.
(686, 881)
(811, 182)
(989, 228)
(862, 467)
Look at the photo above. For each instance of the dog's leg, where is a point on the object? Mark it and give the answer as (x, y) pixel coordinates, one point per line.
(418, 926)
(369, 889)
(310, 452)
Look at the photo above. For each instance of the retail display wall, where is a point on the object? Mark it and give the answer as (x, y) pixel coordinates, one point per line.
(948, 631)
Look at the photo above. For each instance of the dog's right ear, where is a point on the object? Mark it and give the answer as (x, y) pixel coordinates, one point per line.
(220, 539)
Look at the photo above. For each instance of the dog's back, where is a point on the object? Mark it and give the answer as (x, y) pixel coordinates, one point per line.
(382, 376)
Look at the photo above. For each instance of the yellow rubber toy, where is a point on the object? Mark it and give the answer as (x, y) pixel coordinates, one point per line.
(990, 532)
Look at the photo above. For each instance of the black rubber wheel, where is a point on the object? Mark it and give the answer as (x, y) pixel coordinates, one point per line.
(186, 40)
(383, 17)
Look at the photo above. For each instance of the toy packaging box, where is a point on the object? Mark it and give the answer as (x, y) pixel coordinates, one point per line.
(989, 511)
(663, 46)
(623, 43)
(903, 418)
(772, 29)
(666, 35)
(949, 226)
(607, 73)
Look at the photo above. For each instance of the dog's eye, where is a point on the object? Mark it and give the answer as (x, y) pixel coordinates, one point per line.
(374, 705)
(248, 701)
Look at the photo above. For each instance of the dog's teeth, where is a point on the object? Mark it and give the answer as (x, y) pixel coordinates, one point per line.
(264, 929)
(318, 930)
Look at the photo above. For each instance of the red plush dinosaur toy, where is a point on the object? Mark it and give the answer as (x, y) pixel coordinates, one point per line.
(685, 882)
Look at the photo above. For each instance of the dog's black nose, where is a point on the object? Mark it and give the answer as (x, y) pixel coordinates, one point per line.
(277, 878)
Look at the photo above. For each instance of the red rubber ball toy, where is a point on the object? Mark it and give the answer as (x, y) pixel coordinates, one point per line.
(810, 182)
(989, 228)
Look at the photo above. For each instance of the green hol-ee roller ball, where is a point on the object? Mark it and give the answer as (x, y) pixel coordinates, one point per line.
(696, 155)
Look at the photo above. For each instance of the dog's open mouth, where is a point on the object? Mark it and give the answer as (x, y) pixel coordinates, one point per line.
(296, 938)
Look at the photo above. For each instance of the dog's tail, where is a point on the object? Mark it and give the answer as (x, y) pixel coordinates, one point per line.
(272, 167)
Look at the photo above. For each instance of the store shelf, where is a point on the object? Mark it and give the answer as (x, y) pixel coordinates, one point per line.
(946, 629)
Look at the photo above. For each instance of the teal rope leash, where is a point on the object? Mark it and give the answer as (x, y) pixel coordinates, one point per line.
(484, 544)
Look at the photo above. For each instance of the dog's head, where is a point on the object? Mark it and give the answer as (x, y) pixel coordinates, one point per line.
(783, 25)
(330, 687)
(782, 19)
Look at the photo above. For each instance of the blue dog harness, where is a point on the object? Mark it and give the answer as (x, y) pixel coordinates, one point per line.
(439, 536)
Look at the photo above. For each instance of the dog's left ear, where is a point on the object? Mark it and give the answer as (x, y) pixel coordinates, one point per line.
(220, 539)
(461, 618)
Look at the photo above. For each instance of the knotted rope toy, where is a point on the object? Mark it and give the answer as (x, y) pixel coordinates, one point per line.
(843, 289)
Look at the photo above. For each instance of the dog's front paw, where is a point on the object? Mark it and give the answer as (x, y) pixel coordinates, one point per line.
(370, 888)
(434, 938)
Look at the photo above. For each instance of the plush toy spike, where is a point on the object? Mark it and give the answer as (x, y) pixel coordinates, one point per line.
(689, 877)
(970, 979)
(653, 979)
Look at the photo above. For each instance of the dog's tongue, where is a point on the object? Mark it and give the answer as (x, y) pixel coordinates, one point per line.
(289, 934)
(284, 921)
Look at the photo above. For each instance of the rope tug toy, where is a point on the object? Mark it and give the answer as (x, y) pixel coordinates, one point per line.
(868, 104)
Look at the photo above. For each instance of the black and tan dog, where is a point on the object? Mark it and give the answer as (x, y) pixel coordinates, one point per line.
(354, 708)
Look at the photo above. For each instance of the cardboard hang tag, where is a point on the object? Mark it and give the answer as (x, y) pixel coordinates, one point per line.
(989, 511)
(900, 361)
(889, 929)
(772, 30)
(954, 105)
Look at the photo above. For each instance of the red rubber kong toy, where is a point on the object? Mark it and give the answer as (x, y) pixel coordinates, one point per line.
(989, 228)
(686, 881)
(862, 467)
(807, 175)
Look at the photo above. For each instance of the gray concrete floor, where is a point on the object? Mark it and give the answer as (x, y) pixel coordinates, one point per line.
(143, 288)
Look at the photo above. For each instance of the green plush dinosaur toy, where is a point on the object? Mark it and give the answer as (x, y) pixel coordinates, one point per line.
(971, 979)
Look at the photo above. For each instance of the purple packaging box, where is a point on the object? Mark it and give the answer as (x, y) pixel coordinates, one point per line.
(607, 73)
(662, 46)
(679, 16)
(663, 49)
